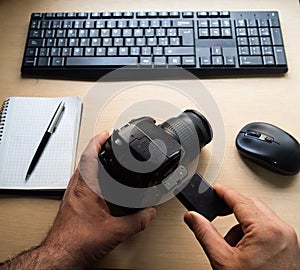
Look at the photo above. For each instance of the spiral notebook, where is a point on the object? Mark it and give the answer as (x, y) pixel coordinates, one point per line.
(23, 122)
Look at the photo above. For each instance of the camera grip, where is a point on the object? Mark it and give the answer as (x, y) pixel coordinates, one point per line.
(203, 200)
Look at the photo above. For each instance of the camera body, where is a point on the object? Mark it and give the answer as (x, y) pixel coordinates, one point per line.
(140, 140)
(143, 155)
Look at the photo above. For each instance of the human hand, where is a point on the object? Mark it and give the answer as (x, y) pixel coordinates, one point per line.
(84, 231)
(261, 240)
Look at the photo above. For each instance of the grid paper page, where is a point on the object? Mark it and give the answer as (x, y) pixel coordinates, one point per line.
(26, 122)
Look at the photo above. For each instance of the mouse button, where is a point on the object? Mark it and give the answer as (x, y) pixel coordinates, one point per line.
(248, 144)
(252, 133)
(287, 139)
(269, 139)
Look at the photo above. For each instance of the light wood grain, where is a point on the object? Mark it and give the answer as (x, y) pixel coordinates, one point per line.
(167, 243)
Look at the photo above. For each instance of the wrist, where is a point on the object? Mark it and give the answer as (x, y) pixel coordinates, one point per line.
(57, 257)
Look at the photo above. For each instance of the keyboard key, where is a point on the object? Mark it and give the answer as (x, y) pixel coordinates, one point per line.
(101, 61)
(203, 23)
(205, 61)
(263, 32)
(182, 23)
(44, 52)
(202, 14)
(174, 14)
(267, 50)
(217, 60)
(112, 51)
(172, 60)
(251, 23)
(188, 61)
(241, 32)
(31, 52)
(39, 42)
(100, 51)
(243, 50)
(279, 55)
(146, 51)
(242, 41)
(268, 60)
(203, 33)
(66, 52)
(29, 61)
(96, 42)
(276, 36)
(58, 61)
(216, 51)
(262, 23)
(240, 23)
(229, 61)
(89, 51)
(145, 61)
(78, 52)
(251, 61)
(254, 41)
(123, 51)
(179, 51)
(255, 50)
(160, 60)
(274, 22)
(226, 32)
(135, 51)
(36, 33)
(265, 41)
(187, 36)
(157, 51)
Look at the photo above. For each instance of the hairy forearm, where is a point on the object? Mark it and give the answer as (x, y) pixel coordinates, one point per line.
(41, 257)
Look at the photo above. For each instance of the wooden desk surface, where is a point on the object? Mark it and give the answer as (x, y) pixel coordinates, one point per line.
(167, 243)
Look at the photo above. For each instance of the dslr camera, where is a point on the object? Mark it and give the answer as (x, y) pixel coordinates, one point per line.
(146, 164)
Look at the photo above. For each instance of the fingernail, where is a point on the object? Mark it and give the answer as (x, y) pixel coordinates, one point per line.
(189, 218)
(152, 212)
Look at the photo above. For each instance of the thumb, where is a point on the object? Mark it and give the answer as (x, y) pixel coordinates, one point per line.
(135, 223)
(215, 247)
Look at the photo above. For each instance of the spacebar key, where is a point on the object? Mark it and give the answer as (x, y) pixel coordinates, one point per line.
(101, 61)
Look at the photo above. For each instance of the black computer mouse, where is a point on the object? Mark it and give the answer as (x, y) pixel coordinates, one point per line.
(270, 147)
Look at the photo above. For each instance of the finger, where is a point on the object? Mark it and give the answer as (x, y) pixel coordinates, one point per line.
(267, 211)
(234, 235)
(209, 238)
(87, 168)
(243, 207)
(134, 223)
(94, 145)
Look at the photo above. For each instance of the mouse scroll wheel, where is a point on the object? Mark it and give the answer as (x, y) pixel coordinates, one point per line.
(253, 133)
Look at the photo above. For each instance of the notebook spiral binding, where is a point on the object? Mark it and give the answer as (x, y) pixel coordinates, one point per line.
(3, 112)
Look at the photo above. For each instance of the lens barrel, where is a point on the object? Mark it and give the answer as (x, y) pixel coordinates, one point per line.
(190, 129)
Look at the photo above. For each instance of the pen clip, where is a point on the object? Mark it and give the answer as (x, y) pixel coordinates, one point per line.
(56, 117)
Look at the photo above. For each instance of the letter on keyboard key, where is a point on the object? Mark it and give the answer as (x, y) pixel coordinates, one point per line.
(101, 61)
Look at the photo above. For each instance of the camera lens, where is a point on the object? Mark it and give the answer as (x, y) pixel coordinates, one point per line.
(190, 129)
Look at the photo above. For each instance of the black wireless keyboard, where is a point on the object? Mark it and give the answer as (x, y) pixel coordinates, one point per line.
(85, 45)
